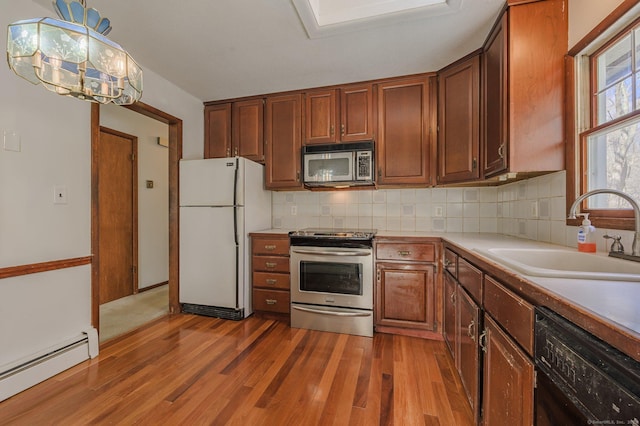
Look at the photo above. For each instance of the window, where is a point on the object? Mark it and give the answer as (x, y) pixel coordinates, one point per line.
(607, 119)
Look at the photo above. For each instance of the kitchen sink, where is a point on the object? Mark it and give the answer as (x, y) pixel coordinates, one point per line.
(557, 263)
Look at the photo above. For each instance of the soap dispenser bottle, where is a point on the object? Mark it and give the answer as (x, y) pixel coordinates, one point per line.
(586, 240)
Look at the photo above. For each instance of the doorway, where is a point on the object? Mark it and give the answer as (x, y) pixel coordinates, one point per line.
(117, 214)
(174, 154)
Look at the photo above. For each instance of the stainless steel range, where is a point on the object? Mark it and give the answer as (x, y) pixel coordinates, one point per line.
(332, 280)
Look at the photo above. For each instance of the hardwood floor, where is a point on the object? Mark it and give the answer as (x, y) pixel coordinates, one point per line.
(185, 369)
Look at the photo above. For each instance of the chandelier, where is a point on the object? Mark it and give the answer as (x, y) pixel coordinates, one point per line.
(73, 56)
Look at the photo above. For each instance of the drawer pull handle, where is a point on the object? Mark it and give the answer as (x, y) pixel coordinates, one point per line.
(270, 264)
(404, 252)
(447, 263)
(470, 331)
(483, 341)
(453, 298)
(271, 301)
(271, 281)
(270, 247)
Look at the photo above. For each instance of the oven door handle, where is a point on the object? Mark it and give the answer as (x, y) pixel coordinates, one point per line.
(332, 313)
(333, 253)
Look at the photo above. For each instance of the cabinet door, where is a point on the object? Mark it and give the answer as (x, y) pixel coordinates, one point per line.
(458, 121)
(494, 111)
(320, 115)
(468, 360)
(356, 113)
(449, 318)
(217, 131)
(508, 380)
(248, 129)
(283, 142)
(403, 146)
(405, 295)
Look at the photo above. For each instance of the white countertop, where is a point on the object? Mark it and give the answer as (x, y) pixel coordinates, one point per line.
(613, 303)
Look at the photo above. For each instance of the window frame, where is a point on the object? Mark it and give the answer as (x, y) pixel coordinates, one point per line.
(581, 113)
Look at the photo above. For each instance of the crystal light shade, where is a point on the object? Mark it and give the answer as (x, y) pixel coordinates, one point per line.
(71, 59)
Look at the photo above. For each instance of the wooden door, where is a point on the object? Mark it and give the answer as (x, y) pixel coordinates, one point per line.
(320, 117)
(449, 318)
(217, 131)
(248, 129)
(468, 360)
(495, 106)
(403, 146)
(117, 214)
(508, 387)
(406, 295)
(356, 113)
(458, 121)
(283, 142)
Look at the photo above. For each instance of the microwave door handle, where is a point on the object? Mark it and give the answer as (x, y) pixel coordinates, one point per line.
(333, 313)
(333, 253)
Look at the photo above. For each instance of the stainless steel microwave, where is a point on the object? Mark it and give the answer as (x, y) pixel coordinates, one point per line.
(338, 165)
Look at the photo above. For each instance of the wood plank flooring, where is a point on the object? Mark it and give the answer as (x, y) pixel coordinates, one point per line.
(186, 369)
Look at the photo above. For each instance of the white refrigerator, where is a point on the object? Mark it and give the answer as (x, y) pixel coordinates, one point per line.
(222, 200)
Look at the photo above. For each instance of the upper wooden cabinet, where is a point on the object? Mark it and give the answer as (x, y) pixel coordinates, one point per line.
(404, 149)
(458, 121)
(523, 89)
(235, 129)
(283, 142)
(247, 121)
(339, 115)
(217, 131)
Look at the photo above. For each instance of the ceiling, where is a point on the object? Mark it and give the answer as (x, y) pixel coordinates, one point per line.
(233, 48)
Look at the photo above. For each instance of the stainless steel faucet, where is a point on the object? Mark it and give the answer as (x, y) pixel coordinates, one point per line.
(635, 250)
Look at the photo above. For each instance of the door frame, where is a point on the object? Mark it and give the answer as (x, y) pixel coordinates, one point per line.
(134, 202)
(175, 153)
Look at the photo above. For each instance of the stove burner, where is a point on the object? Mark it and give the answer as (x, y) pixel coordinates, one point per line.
(324, 237)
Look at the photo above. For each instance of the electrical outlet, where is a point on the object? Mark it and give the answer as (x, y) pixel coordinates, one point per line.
(294, 210)
(59, 194)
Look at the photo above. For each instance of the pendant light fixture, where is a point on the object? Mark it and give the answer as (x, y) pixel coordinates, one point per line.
(73, 56)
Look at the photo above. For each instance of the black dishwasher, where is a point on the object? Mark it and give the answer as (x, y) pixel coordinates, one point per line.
(581, 379)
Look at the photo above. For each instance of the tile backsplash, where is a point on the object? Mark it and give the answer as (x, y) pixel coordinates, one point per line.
(533, 209)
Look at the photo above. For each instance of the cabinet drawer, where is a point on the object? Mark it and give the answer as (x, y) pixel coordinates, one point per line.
(271, 280)
(470, 278)
(269, 246)
(271, 264)
(420, 252)
(451, 262)
(512, 312)
(271, 301)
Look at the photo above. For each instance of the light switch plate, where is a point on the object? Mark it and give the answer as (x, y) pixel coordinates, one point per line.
(60, 194)
(12, 141)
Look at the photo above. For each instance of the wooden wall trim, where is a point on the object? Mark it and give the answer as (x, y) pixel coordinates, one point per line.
(34, 268)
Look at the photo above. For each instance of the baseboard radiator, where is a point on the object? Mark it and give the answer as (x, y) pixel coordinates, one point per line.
(24, 373)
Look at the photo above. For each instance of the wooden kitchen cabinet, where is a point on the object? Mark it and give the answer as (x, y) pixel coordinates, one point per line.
(523, 89)
(406, 118)
(235, 129)
(405, 284)
(468, 351)
(459, 121)
(345, 114)
(449, 326)
(247, 125)
(508, 386)
(217, 131)
(270, 274)
(283, 142)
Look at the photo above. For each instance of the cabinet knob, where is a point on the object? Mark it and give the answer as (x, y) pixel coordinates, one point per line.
(235, 151)
(446, 263)
(332, 130)
(342, 129)
(271, 301)
(228, 152)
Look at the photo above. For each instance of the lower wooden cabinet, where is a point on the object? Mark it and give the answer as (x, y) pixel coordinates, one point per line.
(508, 380)
(449, 316)
(406, 284)
(270, 274)
(468, 360)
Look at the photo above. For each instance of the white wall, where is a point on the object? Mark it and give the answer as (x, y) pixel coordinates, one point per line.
(153, 203)
(584, 15)
(38, 310)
